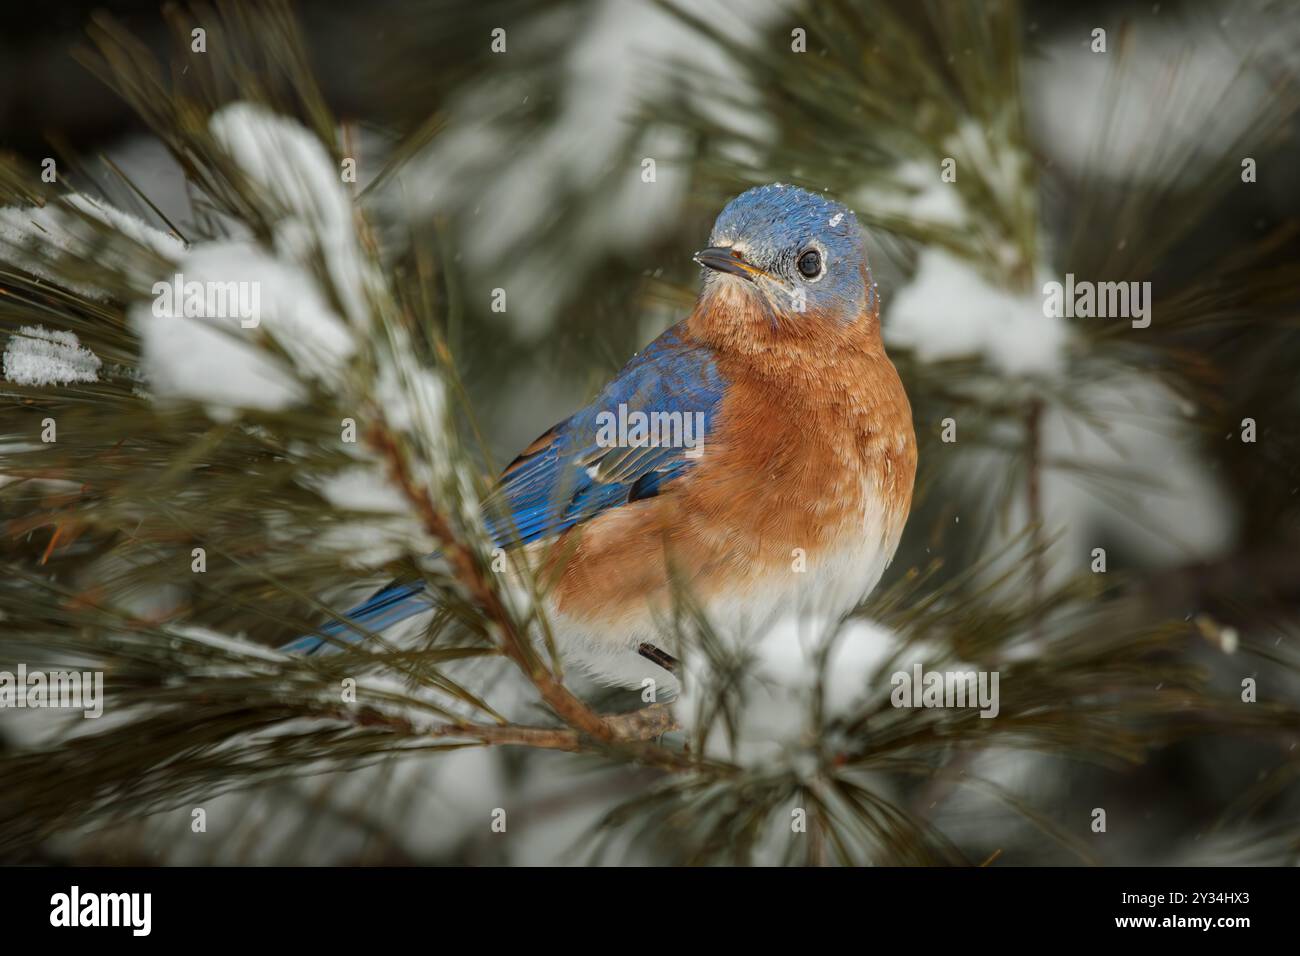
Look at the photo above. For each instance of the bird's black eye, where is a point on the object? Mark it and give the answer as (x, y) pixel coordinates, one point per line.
(810, 264)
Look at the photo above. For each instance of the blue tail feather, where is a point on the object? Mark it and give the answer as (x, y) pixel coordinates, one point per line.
(383, 609)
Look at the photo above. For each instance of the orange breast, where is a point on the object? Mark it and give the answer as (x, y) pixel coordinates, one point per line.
(812, 436)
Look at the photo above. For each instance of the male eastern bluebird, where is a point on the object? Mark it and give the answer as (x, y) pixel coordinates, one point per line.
(788, 495)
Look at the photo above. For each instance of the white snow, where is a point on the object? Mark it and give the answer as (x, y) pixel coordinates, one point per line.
(362, 488)
(1170, 509)
(41, 356)
(414, 401)
(775, 714)
(1173, 94)
(164, 244)
(284, 159)
(918, 193)
(224, 361)
(949, 310)
(1155, 496)
(216, 361)
(983, 151)
(388, 530)
(39, 240)
(232, 645)
(622, 58)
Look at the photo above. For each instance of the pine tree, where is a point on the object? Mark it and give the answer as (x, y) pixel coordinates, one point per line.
(181, 497)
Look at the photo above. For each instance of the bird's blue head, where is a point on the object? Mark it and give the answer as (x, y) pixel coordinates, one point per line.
(799, 253)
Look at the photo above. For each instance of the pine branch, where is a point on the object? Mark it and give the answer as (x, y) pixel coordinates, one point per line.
(466, 569)
(640, 726)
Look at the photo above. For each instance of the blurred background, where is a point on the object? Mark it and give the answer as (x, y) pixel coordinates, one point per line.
(526, 170)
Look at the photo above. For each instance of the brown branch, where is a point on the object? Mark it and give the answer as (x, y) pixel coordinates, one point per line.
(633, 731)
(639, 726)
(467, 571)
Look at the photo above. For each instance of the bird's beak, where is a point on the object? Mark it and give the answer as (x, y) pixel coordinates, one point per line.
(727, 260)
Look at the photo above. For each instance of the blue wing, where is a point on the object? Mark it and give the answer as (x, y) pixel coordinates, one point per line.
(582, 467)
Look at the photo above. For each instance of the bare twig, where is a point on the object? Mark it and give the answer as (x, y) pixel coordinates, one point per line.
(637, 727)
(646, 724)
(466, 570)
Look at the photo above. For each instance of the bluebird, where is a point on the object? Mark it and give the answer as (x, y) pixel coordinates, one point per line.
(760, 453)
